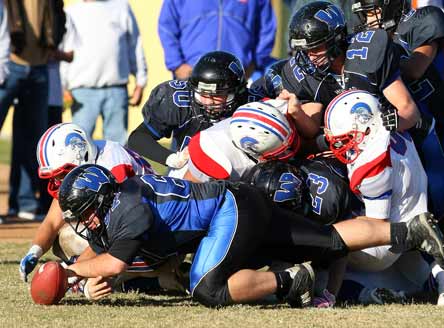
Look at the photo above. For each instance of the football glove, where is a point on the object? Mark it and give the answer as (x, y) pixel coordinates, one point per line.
(390, 118)
(28, 263)
(178, 160)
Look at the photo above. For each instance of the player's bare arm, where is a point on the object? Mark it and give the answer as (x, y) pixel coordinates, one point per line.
(47, 231)
(104, 265)
(398, 95)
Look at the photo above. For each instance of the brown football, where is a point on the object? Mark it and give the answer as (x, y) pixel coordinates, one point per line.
(49, 284)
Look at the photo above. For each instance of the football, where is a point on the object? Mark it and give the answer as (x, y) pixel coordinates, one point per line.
(49, 284)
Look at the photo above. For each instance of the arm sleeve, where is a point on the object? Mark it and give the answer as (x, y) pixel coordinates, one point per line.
(125, 249)
(169, 34)
(137, 58)
(143, 142)
(131, 232)
(266, 34)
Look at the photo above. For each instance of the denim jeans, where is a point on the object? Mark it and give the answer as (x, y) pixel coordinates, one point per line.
(29, 86)
(110, 102)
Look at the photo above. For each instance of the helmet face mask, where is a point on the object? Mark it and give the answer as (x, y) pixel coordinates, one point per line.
(218, 85)
(86, 195)
(317, 25)
(384, 14)
(61, 148)
(352, 120)
(261, 130)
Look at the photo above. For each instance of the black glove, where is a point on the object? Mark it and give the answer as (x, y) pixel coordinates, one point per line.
(390, 118)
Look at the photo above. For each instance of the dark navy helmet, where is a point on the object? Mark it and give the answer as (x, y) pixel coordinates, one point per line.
(315, 24)
(282, 182)
(387, 13)
(87, 191)
(218, 73)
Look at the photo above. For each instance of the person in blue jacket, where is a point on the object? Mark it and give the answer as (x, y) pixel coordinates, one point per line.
(190, 28)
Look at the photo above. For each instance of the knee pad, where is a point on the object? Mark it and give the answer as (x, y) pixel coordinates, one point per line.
(68, 244)
(212, 296)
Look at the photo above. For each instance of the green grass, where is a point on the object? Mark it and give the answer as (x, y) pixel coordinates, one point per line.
(124, 310)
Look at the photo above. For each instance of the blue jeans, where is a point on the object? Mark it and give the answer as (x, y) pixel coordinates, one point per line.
(110, 102)
(29, 86)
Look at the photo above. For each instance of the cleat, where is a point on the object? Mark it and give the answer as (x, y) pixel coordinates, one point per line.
(423, 234)
(301, 291)
(381, 296)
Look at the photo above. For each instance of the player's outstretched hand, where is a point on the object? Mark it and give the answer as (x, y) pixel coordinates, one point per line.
(97, 288)
(294, 105)
(27, 264)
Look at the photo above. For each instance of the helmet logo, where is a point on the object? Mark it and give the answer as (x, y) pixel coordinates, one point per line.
(234, 67)
(288, 188)
(92, 179)
(362, 112)
(76, 143)
(332, 16)
(249, 144)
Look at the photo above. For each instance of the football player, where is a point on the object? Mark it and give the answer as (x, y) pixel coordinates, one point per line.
(226, 224)
(327, 62)
(61, 148)
(180, 109)
(420, 32)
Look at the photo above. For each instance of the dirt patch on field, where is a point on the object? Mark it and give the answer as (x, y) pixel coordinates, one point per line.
(12, 229)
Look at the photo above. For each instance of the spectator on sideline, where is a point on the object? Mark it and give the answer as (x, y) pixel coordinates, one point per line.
(108, 48)
(190, 28)
(36, 27)
(4, 56)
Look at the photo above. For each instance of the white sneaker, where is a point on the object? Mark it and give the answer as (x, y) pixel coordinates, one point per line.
(31, 216)
(440, 301)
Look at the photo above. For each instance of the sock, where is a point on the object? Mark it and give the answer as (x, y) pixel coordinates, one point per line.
(438, 275)
(398, 233)
(284, 280)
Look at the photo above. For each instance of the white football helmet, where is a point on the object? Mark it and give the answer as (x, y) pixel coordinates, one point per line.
(352, 119)
(61, 148)
(262, 130)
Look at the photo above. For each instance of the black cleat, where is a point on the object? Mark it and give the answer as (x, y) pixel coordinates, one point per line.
(424, 234)
(301, 291)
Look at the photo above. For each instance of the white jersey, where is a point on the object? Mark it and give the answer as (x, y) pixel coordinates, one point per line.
(122, 162)
(389, 177)
(213, 155)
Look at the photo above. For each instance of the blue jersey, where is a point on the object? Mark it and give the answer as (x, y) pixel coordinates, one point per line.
(166, 216)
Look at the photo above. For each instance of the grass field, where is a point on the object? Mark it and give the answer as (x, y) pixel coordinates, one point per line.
(124, 310)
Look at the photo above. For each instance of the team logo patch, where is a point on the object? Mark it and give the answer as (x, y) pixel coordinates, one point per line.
(249, 144)
(92, 179)
(74, 141)
(361, 112)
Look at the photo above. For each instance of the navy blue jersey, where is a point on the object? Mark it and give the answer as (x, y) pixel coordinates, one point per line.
(168, 113)
(371, 64)
(330, 195)
(420, 27)
(165, 216)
